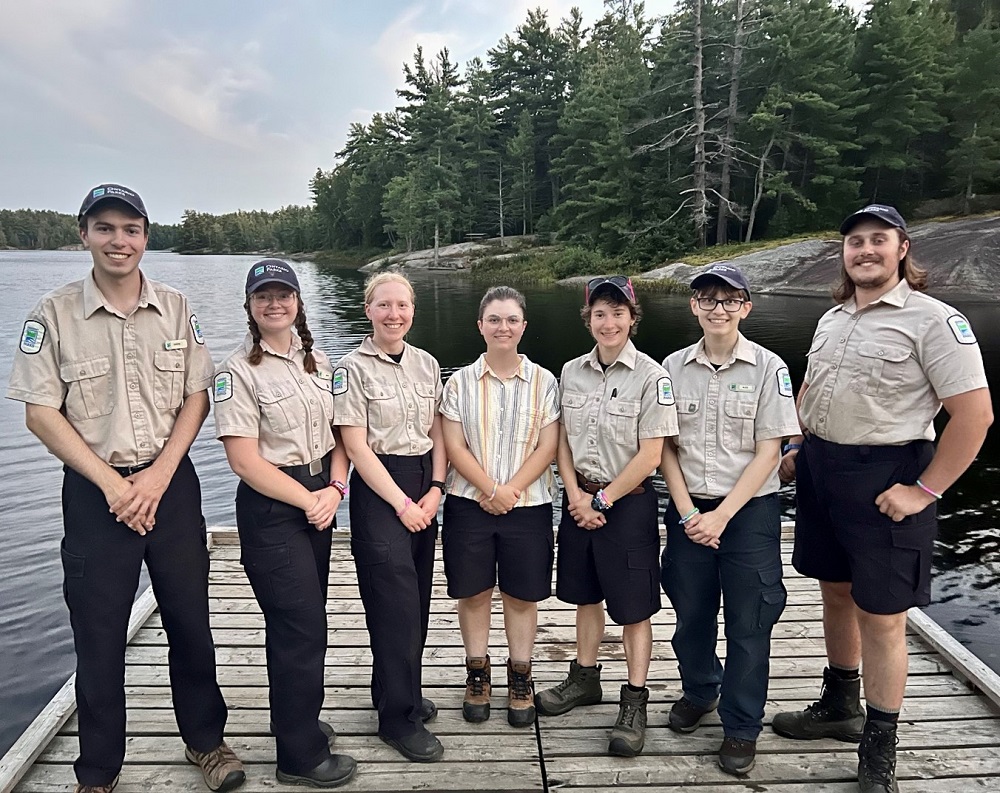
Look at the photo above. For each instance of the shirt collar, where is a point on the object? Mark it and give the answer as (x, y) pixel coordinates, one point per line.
(368, 347)
(483, 368)
(743, 351)
(93, 297)
(627, 356)
(894, 297)
(295, 347)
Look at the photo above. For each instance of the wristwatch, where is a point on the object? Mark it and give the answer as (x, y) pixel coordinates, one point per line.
(439, 484)
(600, 503)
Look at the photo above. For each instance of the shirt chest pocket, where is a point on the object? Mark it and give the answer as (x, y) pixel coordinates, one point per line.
(324, 392)
(88, 388)
(688, 421)
(282, 409)
(168, 379)
(623, 418)
(738, 425)
(384, 410)
(572, 412)
(880, 369)
(425, 402)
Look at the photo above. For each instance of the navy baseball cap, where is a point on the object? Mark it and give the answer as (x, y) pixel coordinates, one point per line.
(105, 192)
(271, 271)
(883, 212)
(723, 272)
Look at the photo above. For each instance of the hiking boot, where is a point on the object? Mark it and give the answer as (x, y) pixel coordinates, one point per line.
(581, 687)
(877, 758)
(81, 788)
(334, 771)
(737, 756)
(221, 768)
(837, 714)
(685, 716)
(520, 694)
(421, 746)
(478, 685)
(629, 733)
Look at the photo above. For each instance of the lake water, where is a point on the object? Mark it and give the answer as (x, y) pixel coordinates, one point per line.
(35, 641)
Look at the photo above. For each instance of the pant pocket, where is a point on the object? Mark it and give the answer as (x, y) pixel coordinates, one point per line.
(772, 599)
(910, 560)
(272, 576)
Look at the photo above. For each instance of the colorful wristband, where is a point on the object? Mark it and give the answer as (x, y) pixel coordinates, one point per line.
(789, 447)
(340, 486)
(406, 506)
(683, 521)
(603, 498)
(927, 490)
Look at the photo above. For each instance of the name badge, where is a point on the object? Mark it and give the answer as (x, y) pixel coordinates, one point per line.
(175, 344)
(744, 388)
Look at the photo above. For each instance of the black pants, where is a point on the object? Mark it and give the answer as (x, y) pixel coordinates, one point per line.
(288, 564)
(101, 562)
(395, 571)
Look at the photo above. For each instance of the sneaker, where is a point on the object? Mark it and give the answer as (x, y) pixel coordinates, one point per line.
(629, 733)
(877, 758)
(221, 768)
(685, 716)
(520, 694)
(478, 686)
(81, 788)
(581, 687)
(737, 756)
(837, 714)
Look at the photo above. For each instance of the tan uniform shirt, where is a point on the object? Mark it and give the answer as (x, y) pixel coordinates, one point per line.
(288, 411)
(119, 380)
(607, 413)
(397, 402)
(877, 376)
(723, 414)
(502, 421)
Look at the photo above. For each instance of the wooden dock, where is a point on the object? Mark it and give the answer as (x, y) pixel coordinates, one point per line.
(949, 735)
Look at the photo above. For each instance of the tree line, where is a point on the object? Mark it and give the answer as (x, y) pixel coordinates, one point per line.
(643, 138)
(34, 229)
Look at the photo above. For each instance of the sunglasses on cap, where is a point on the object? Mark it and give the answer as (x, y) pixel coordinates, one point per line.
(620, 282)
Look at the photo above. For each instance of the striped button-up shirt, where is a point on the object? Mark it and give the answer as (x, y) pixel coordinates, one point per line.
(502, 421)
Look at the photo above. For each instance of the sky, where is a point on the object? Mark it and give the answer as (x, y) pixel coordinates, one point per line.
(214, 105)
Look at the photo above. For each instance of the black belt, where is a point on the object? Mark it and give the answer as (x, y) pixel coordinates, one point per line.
(128, 470)
(592, 487)
(315, 468)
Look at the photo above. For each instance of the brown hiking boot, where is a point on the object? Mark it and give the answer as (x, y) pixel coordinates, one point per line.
(81, 788)
(520, 694)
(478, 686)
(221, 768)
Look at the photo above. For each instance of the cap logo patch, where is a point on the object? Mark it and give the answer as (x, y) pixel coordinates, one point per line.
(196, 329)
(98, 192)
(339, 381)
(664, 391)
(258, 271)
(32, 337)
(784, 382)
(223, 388)
(960, 327)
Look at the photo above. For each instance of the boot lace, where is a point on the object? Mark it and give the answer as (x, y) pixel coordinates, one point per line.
(217, 759)
(476, 681)
(878, 754)
(626, 717)
(520, 686)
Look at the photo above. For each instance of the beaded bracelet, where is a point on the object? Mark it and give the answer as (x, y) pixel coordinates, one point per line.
(603, 498)
(927, 490)
(340, 487)
(406, 506)
(683, 521)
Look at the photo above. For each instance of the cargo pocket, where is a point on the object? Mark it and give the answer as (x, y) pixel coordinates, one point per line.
(367, 553)
(909, 562)
(643, 582)
(272, 578)
(88, 387)
(772, 599)
(73, 570)
(168, 379)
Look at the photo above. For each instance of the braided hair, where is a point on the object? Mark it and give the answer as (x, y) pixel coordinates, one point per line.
(305, 335)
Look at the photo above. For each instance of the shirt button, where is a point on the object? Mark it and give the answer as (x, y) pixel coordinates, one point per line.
(312, 401)
(409, 407)
(715, 377)
(301, 380)
(143, 444)
(133, 386)
(178, 366)
(881, 353)
(834, 366)
(406, 385)
(315, 423)
(711, 401)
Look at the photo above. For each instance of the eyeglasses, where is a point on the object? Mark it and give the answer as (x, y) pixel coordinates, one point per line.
(494, 321)
(730, 304)
(281, 298)
(620, 282)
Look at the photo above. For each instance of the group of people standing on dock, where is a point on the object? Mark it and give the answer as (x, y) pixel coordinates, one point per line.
(114, 371)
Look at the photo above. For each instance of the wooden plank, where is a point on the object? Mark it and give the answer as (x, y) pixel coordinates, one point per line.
(33, 740)
(967, 666)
